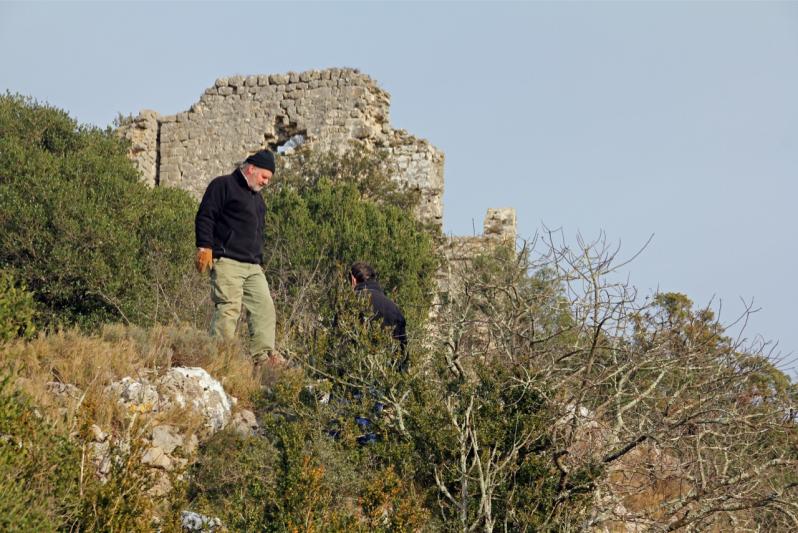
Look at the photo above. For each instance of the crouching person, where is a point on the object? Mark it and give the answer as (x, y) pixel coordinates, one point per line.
(364, 282)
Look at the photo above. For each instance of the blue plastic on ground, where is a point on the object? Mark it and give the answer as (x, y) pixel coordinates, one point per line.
(363, 422)
(368, 438)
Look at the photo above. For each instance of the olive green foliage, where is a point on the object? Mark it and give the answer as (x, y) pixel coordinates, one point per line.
(235, 475)
(326, 212)
(500, 420)
(90, 242)
(308, 471)
(39, 469)
(366, 168)
(324, 471)
(17, 309)
(482, 416)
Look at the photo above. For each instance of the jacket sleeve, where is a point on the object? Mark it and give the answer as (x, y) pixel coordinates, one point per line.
(399, 330)
(207, 214)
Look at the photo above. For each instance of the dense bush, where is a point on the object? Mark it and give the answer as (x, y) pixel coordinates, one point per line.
(543, 395)
(90, 242)
(17, 309)
(326, 212)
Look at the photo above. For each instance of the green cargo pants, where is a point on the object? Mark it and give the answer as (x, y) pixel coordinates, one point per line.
(234, 283)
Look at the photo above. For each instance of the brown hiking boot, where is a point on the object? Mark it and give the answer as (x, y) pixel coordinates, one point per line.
(276, 359)
(267, 368)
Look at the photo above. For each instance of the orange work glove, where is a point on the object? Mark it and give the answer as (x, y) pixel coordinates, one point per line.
(204, 259)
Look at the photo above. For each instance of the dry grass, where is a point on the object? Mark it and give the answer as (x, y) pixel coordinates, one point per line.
(91, 363)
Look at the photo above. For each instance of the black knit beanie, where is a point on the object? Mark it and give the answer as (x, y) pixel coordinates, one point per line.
(263, 159)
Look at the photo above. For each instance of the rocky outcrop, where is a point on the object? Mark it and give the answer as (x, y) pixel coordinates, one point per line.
(166, 448)
(178, 388)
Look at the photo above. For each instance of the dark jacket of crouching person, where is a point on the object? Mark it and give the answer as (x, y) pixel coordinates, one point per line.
(364, 281)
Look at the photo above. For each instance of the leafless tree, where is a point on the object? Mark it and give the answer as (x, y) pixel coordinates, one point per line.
(680, 426)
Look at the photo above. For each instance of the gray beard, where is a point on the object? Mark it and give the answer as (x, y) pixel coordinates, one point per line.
(253, 187)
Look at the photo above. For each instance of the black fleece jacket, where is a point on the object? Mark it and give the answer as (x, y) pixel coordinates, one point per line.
(230, 219)
(385, 309)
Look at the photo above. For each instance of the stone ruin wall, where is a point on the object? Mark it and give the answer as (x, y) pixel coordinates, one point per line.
(331, 108)
(240, 115)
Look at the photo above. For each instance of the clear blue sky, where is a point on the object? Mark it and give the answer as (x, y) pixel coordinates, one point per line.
(678, 119)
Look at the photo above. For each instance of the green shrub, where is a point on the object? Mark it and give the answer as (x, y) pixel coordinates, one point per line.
(258, 484)
(91, 242)
(315, 232)
(39, 468)
(233, 479)
(17, 309)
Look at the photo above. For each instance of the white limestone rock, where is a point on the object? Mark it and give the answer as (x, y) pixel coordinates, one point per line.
(194, 387)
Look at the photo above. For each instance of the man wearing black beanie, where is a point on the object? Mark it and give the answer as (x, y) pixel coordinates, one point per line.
(229, 237)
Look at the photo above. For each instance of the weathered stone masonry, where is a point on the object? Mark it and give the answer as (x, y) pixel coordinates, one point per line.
(239, 115)
(330, 108)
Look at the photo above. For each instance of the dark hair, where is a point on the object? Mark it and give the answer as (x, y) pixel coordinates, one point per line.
(362, 271)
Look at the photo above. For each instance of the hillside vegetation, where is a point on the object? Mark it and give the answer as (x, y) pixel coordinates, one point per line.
(540, 396)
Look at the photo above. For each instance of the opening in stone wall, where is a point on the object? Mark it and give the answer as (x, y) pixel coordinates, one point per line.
(286, 138)
(294, 142)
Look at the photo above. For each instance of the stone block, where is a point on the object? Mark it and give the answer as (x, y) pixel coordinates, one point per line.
(278, 79)
(245, 423)
(98, 435)
(167, 438)
(157, 458)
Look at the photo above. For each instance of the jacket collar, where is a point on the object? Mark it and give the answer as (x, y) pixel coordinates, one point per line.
(242, 180)
(370, 284)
